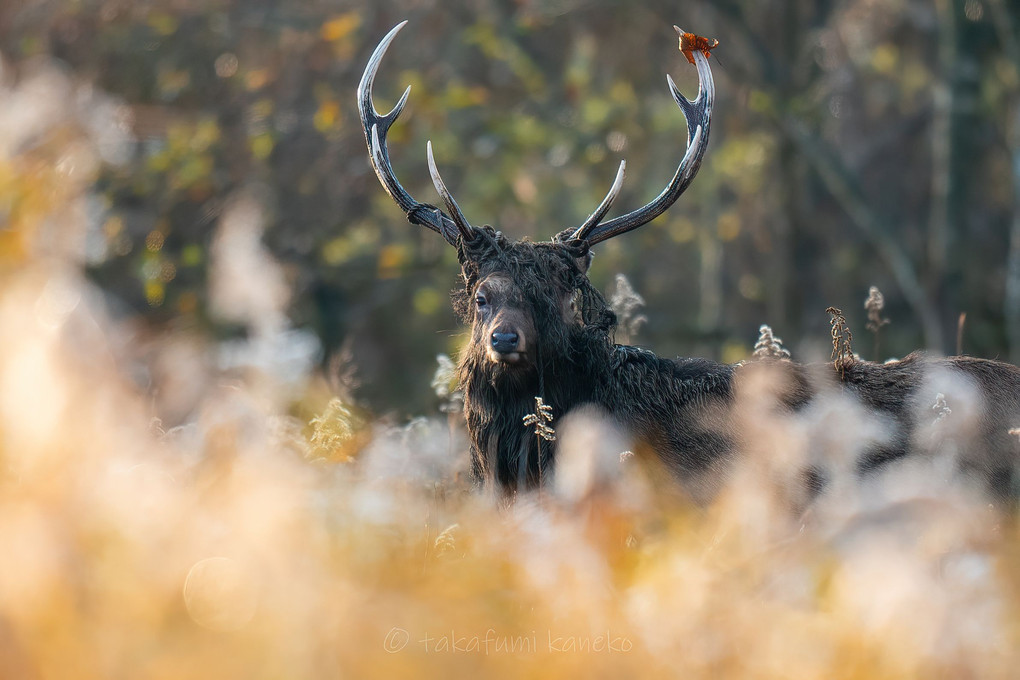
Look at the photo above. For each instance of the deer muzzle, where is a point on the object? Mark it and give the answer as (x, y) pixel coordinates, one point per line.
(505, 346)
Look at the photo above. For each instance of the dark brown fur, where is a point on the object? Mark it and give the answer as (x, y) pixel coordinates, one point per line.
(684, 410)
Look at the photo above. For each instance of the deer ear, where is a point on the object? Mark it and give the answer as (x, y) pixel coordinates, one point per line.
(584, 261)
(578, 249)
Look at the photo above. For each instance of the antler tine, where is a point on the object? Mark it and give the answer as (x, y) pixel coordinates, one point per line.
(698, 114)
(376, 126)
(462, 224)
(604, 206)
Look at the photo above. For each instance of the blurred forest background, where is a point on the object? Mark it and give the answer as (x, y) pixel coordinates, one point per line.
(854, 143)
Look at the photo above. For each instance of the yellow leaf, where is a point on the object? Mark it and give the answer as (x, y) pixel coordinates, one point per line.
(728, 226)
(155, 292)
(262, 146)
(340, 26)
(327, 115)
(164, 24)
(391, 258)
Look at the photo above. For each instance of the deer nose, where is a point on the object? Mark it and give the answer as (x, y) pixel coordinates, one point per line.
(504, 343)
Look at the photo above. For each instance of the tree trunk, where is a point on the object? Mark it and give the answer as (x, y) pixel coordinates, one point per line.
(1007, 22)
(955, 106)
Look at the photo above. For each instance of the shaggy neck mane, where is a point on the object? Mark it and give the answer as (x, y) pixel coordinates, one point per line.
(573, 363)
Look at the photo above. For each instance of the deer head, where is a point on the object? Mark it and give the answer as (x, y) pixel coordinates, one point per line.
(522, 298)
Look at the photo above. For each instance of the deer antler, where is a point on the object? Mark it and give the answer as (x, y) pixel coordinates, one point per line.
(376, 126)
(600, 212)
(698, 114)
(462, 224)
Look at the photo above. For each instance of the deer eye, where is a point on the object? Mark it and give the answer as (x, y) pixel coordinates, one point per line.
(480, 300)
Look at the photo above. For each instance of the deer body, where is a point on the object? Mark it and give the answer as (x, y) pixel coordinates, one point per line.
(675, 407)
(539, 329)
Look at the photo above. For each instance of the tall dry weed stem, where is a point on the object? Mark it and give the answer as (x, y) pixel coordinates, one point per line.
(874, 304)
(842, 339)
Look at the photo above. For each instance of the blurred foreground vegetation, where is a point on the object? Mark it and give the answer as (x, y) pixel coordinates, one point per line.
(204, 295)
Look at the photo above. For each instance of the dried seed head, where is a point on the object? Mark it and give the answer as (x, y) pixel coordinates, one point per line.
(940, 408)
(446, 541)
(874, 306)
(444, 377)
(541, 419)
(331, 431)
(842, 338)
(626, 303)
(769, 347)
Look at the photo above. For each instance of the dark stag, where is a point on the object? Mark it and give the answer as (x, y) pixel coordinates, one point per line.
(541, 345)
